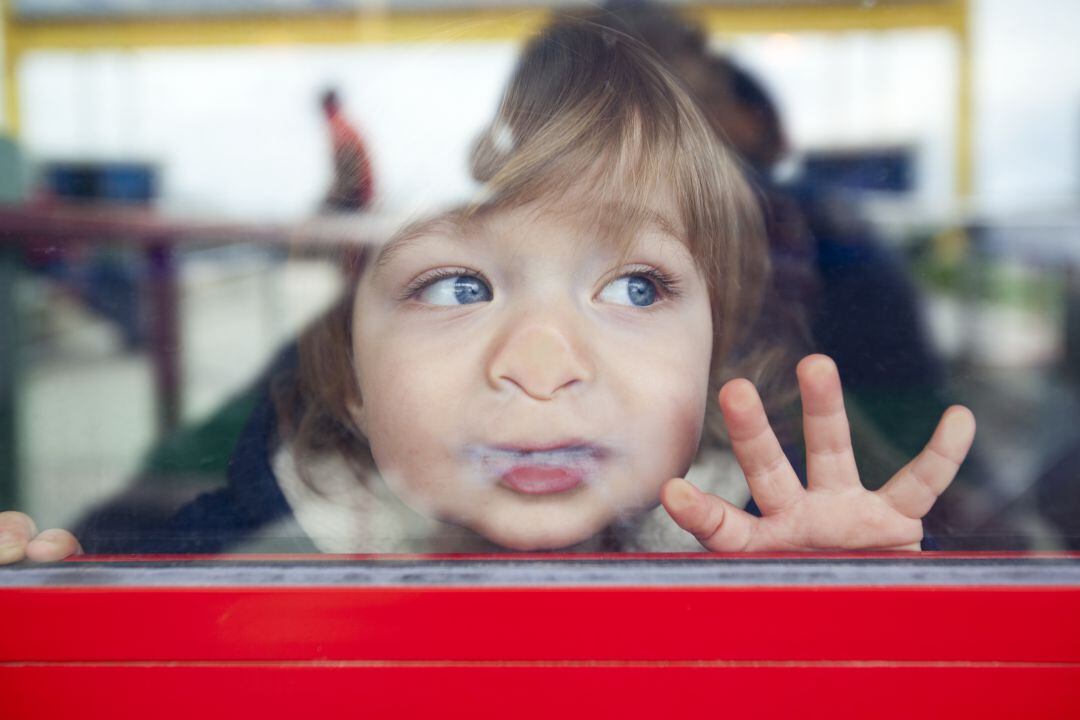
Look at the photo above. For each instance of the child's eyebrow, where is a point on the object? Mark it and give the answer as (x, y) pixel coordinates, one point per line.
(416, 232)
(659, 221)
(648, 219)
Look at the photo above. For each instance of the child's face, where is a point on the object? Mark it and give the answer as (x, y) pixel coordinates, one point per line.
(522, 381)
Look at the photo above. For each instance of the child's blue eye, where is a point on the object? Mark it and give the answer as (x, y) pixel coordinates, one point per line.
(636, 290)
(455, 290)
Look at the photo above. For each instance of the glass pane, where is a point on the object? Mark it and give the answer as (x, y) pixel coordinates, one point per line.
(417, 279)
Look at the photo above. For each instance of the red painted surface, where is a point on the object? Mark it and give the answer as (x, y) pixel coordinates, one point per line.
(802, 652)
(540, 691)
(743, 624)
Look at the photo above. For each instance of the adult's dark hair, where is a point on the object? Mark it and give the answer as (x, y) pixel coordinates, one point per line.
(660, 27)
(329, 100)
(751, 97)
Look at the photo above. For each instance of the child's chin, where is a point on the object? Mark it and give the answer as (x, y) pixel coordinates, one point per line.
(536, 539)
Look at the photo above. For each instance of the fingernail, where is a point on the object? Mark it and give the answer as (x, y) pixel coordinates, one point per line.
(49, 537)
(683, 496)
(957, 423)
(11, 553)
(743, 397)
(7, 539)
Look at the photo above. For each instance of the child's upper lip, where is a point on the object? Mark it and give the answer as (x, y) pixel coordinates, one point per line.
(534, 446)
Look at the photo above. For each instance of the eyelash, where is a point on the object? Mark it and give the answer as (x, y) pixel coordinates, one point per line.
(413, 289)
(668, 285)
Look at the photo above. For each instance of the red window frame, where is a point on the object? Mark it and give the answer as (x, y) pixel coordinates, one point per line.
(854, 635)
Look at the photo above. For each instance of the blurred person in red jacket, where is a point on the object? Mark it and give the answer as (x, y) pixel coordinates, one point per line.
(353, 186)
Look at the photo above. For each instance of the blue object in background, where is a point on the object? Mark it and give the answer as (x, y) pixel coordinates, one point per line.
(877, 169)
(127, 182)
(108, 281)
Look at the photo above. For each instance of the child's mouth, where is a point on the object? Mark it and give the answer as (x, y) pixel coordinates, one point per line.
(541, 480)
(541, 470)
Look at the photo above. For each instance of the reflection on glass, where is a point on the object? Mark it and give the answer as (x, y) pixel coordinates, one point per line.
(506, 293)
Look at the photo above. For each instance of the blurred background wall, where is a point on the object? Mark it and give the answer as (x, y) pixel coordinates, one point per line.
(182, 107)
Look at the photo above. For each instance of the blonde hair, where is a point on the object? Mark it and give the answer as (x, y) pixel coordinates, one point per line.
(586, 103)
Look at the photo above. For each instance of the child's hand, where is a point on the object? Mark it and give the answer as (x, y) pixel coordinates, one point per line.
(835, 511)
(20, 539)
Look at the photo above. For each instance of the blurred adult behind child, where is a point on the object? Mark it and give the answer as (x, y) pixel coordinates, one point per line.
(353, 187)
(863, 310)
(836, 288)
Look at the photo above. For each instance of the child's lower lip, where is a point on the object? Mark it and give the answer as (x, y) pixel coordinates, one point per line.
(541, 480)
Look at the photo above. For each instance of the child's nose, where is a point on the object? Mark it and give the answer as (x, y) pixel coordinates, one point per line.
(539, 359)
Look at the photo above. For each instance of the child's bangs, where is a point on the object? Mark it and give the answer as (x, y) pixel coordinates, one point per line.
(612, 187)
(593, 121)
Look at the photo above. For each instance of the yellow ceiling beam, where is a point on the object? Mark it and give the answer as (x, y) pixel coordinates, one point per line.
(10, 59)
(964, 152)
(830, 17)
(306, 29)
(381, 26)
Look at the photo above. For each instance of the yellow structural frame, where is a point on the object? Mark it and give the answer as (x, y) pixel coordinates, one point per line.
(380, 25)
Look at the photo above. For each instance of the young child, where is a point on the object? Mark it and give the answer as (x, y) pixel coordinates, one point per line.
(540, 370)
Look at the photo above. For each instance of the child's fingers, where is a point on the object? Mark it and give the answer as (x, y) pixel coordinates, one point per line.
(717, 524)
(914, 489)
(830, 462)
(16, 530)
(53, 545)
(772, 481)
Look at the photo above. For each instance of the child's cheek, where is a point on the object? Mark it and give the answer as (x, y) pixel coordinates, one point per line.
(685, 420)
(401, 403)
(410, 420)
(679, 385)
